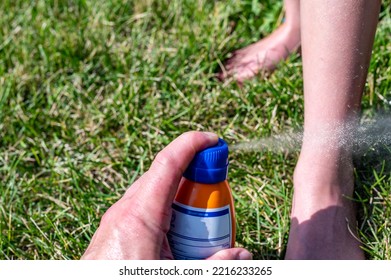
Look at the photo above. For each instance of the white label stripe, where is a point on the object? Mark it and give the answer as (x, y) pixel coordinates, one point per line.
(199, 239)
(199, 233)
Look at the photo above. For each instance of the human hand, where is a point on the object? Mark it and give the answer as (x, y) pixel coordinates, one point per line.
(135, 227)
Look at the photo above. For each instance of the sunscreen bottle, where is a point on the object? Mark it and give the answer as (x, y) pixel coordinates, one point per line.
(203, 218)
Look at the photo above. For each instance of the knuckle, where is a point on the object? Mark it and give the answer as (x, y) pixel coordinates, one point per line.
(107, 217)
(167, 160)
(163, 158)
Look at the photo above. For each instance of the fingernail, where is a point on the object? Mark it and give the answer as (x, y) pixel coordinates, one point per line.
(211, 135)
(244, 255)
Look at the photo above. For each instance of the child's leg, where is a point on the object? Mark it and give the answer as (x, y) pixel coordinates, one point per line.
(337, 38)
(265, 54)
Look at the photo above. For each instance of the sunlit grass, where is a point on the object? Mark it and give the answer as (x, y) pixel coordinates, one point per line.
(90, 91)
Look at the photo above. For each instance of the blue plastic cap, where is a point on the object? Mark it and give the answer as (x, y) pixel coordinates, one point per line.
(209, 166)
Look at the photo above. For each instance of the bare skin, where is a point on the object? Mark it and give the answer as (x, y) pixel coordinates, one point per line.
(264, 55)
(337, 38)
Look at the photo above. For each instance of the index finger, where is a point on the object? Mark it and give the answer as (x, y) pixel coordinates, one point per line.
(158, 186)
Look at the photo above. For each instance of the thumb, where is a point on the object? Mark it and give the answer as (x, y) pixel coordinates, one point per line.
(232, 254)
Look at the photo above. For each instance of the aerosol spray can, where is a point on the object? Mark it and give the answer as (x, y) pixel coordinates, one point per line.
(203, 217)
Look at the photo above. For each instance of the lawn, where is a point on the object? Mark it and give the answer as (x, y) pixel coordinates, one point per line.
(90, 91)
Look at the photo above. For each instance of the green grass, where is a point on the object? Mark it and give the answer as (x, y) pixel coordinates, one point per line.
(90, 91)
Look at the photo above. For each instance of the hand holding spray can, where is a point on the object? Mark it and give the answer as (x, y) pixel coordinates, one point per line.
(203, 217)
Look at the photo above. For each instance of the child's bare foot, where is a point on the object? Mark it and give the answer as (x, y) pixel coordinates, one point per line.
(262, 56)
(323, 221)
